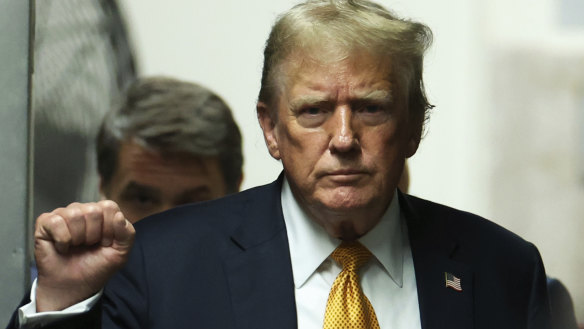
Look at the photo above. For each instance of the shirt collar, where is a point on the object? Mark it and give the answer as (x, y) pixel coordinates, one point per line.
(310, 244)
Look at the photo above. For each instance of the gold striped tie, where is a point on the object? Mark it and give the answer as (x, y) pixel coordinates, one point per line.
(347, 306)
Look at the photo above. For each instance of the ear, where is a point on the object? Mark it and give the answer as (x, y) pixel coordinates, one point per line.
(268, 123)
(239, 182)
(414, 138)
(412, 146)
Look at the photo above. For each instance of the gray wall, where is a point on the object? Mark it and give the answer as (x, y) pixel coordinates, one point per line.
(15, 24)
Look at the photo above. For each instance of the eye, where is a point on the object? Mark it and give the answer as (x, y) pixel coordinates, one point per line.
(312, 116)
(371, 109)
(143, 199)
(373, 113)
(311, 110)
(202, 194)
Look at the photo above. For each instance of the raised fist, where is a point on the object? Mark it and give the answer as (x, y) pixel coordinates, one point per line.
(77, 249)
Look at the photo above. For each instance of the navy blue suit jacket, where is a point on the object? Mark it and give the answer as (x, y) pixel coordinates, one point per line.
(226, 264)
(563, 316)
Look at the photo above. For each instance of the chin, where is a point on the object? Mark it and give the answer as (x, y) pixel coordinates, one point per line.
(351, 199)
(346, 200)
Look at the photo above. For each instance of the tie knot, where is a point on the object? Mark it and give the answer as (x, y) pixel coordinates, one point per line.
(351, 255)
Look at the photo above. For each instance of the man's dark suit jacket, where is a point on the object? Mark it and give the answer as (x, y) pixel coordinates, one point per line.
(226, 264)
(563, 316)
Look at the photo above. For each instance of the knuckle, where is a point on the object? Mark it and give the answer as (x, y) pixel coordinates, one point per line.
(72, 213)
(58, 229)
(43, 218)
(92, 211)
(62, 239)
(55, 220)
(49, 223)
(108, 204)
(119, 217)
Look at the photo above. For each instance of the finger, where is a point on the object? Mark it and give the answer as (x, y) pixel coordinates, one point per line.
(109, 208)
(123, 232)
(53, 228)
(93, 215)
(75, 220)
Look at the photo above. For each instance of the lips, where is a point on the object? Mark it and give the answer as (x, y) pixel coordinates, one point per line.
(345, 176)
(345, 172)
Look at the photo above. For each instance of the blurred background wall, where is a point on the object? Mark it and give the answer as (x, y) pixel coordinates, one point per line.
(16, 26)
(506, 139)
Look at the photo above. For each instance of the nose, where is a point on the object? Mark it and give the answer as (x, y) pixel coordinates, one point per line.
(344, 138)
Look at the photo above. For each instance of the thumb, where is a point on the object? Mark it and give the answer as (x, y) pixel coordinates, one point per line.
(123, 232)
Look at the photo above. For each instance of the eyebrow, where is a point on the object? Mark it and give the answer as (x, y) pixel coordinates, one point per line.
(199, 193)
(382, 96)
(375, 96)
(305, 100)
(196, 190)
(134, 187)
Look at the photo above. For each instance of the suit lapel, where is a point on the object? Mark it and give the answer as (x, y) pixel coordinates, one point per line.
(259, 273)
(433, 255)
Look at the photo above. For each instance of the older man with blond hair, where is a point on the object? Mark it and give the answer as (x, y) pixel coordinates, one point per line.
(331, 243)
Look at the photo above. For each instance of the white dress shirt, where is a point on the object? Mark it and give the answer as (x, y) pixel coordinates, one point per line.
(388, 279)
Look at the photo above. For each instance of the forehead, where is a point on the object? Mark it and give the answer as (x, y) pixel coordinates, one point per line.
(138, 161)
(357, 73)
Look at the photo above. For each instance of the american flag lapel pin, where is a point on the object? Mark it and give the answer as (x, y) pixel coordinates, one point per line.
(452, 281)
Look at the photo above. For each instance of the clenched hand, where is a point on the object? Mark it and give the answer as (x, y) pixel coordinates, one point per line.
(77, 249)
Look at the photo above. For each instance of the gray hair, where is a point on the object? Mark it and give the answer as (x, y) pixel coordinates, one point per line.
(172, 116)
(338, 28)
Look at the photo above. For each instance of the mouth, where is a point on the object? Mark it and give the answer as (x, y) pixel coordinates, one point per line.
(345, 176)
(341, 172)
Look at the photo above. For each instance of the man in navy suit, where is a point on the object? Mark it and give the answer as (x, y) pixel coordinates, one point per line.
(342, 105)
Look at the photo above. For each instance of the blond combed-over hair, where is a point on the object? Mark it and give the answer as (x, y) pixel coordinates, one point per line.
(330, 30)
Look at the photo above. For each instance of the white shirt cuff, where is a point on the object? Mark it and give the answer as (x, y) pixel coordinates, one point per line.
(27, 314)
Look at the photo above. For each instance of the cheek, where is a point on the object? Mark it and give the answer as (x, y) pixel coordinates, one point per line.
(384, 148)
(218, 187)
(380, 141)
(301, 145)
(131, 214)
